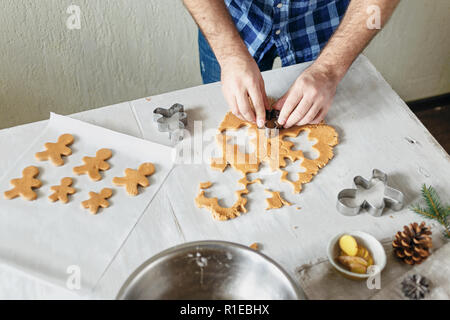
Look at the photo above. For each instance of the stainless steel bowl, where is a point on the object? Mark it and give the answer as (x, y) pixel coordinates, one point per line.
(210, 270)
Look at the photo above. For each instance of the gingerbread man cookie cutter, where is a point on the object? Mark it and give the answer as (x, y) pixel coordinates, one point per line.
(172, 120)
(392, 198)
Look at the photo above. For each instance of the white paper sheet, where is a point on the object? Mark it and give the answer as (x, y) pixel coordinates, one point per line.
(44, 238)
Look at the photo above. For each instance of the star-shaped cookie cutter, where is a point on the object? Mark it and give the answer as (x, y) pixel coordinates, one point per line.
(392, 198)
(271, 125)
(172, 120)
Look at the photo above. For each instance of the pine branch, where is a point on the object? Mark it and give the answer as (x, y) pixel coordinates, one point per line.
(432, 199)
(434, 208)
(422, 211)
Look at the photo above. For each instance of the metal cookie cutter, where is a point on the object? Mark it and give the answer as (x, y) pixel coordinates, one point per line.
(172, 120)
(392, 198)
(271, 125)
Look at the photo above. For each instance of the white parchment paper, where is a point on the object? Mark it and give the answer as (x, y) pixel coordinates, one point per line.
(57, 241)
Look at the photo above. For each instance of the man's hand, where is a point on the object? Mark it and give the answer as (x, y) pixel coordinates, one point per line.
(309, 98)
(243, 88)
(242, 84)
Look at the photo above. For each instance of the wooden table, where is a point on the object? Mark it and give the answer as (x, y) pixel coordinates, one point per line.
(376, 129)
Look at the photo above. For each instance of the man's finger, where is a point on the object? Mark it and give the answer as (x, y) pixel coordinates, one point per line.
(258, 103)
(244, 107)
(267, 102)
(320, 116)
(231, 101)
(280, 102)
(291, 102)
(302, 109)
(264, 95)
(312, 113)
(234, 108)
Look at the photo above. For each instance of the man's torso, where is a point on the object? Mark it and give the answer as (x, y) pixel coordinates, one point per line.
(298, 28)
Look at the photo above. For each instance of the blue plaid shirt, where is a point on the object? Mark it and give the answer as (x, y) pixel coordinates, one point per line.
(298, 28)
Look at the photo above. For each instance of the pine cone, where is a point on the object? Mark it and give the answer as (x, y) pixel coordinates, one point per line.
(413, 243)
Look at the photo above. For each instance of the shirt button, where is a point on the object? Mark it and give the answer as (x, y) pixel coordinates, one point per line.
(277, 32)
(279, 6)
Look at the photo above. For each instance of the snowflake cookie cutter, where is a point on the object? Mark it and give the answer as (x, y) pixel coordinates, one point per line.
(172, 120)
(392, 198)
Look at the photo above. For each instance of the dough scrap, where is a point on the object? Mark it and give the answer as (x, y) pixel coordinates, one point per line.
(205, 185)
(24, 186)
(62, 191)
(222, 213)
(274, 151)
(92, 165)
(276, 201)
(97, 200)
(219, 212)
(134, 178)
(326, 138)
(55, 151)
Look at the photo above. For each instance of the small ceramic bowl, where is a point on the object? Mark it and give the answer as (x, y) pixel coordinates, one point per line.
(369, 242)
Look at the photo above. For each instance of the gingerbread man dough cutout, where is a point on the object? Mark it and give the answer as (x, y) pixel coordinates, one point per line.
(93, 165)
(97, 200)
(55, 151)
(62, 191)
(24, 186)
(134, 178)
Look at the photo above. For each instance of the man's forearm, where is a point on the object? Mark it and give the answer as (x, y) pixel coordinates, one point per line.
(242, 83)
(353, 35)
(215, 22)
